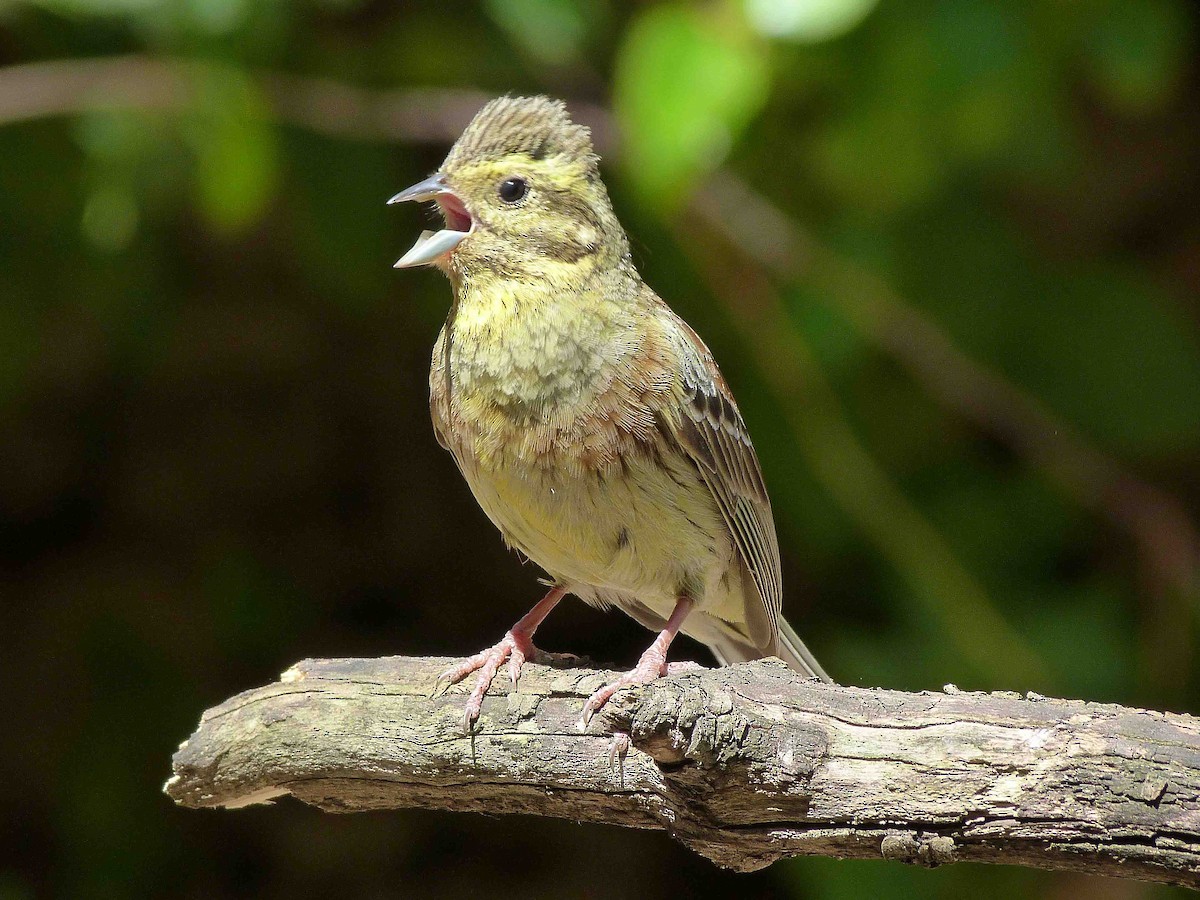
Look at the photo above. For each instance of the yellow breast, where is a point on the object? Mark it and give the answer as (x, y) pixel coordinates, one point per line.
(551, 412)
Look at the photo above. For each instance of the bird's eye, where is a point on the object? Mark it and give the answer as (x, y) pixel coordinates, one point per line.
(513, 189)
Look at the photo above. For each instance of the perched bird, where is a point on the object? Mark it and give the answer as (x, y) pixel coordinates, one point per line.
(589, 420)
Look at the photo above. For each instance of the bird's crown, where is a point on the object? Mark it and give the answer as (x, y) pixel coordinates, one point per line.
(536, 126)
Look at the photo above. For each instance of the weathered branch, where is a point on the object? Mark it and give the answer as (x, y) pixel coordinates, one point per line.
(745, 764)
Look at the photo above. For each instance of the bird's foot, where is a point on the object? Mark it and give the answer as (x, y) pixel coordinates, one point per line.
(621, 742)
(618, 749)
(515, 646)
(651, 666)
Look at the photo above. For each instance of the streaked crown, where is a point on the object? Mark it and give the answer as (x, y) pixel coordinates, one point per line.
(535, 126)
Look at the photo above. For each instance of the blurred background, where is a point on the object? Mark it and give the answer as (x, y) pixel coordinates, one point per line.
(948, 254)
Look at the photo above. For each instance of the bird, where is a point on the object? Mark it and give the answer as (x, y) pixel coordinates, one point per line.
(589, 420)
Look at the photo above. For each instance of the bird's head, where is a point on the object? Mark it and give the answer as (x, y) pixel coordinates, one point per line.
(521, 196)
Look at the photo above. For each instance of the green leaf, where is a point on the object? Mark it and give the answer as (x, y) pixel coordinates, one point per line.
(686, 86)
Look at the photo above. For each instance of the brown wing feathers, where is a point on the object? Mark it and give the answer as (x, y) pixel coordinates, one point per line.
(714, 435)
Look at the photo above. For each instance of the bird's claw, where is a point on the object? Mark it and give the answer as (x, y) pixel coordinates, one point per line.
(649, 667)
(592, 706)
(516, 661)
(617, 750)
(516, 648)
(440, 685)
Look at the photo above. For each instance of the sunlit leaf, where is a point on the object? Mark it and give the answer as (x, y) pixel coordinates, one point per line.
(807, 21)
(686, 85)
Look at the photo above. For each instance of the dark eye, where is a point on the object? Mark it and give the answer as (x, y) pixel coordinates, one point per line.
(513, 189)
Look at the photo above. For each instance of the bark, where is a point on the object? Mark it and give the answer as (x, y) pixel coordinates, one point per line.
(745, 764)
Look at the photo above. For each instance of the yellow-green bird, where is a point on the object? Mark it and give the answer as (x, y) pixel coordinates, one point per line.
(589, 420)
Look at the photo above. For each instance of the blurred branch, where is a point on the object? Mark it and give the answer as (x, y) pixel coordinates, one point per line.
(71, 86)
(411, 115)
(1164, 534)
(745, 764)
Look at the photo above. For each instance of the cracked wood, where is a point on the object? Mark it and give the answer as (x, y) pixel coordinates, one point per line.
(745, 764)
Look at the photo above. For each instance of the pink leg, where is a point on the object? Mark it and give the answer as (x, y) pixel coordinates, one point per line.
(516, 646)
(652, 665)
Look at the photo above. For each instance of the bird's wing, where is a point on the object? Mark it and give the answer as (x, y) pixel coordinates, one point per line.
(439, 393)
(712, 433)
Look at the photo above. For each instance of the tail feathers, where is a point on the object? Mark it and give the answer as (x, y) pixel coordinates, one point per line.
(795, 654)
(728, 649)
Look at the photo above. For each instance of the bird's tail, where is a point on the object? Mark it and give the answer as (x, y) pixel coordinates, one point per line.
(795, 654)
(728, 649)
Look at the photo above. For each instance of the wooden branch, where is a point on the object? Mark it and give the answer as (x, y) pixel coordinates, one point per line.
(745, 764)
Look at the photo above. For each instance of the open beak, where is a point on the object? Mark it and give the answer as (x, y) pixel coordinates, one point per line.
(431, 246)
